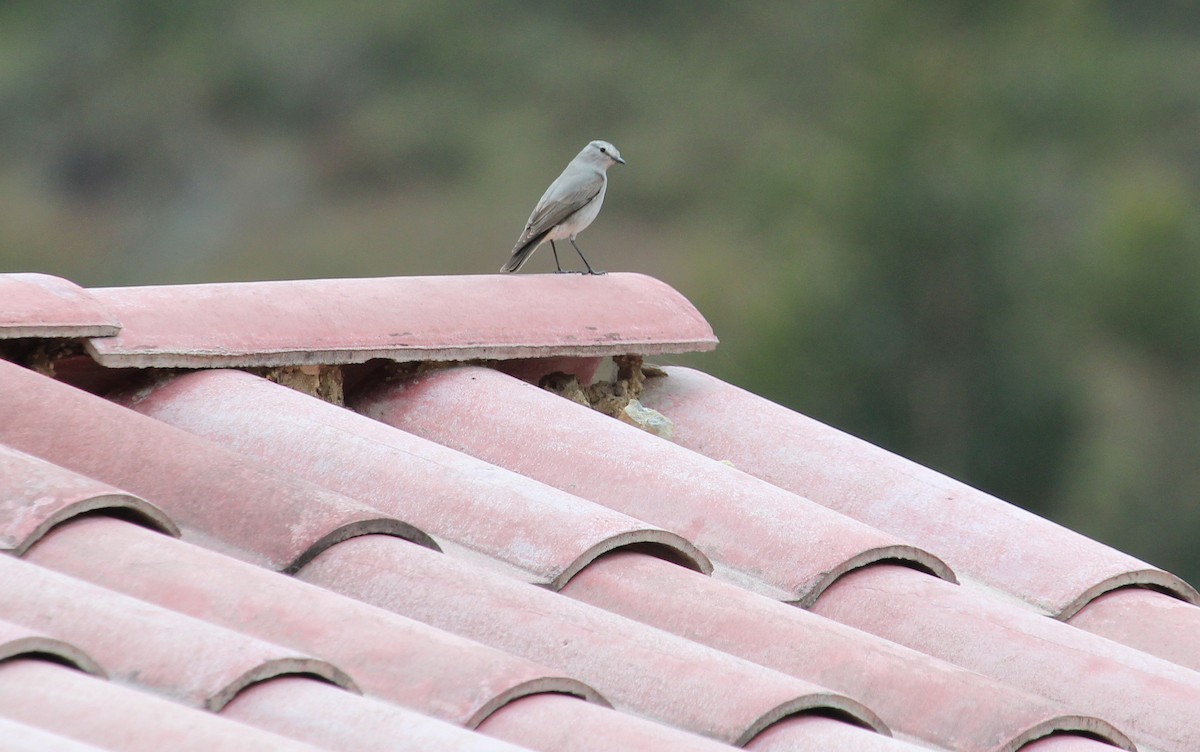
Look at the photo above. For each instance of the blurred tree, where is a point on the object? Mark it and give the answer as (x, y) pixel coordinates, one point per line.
(963, 230)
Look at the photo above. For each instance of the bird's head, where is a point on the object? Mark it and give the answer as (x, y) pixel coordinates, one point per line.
(603, 153)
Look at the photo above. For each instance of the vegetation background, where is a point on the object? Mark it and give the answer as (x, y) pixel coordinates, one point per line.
(966, 231)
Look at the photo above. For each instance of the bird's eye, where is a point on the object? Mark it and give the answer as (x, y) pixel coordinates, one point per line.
(603, 150)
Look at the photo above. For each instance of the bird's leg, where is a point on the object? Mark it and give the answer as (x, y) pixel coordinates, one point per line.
(590, 270)
(556, 266)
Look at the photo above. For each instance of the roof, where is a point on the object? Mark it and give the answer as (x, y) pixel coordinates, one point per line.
(369, 514)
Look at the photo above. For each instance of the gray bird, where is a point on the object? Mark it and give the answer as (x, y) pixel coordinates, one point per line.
(568, 206)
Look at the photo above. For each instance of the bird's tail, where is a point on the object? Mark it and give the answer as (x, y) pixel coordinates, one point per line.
(522, 253)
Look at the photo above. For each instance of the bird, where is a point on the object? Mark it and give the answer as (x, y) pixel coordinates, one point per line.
(568, 206)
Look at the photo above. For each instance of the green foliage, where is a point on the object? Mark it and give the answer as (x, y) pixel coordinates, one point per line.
(966, 231)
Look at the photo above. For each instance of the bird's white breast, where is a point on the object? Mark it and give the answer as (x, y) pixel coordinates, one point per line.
(584, 216)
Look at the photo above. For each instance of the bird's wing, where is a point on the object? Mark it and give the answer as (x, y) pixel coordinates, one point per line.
(565, 196)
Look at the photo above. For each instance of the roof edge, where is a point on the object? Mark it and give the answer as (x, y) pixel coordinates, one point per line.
(143, 513)
(310, 668)
(52, 307)
(1071, 725)
(38, 647)
(1150, 579)
(389, 526)
(414, 318)
(817, 703)
(900, 555)
(557, 685)
(661, 544)
(209, 359)
(60, 331)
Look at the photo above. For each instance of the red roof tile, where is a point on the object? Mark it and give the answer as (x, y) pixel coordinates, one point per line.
(941, 701)
(21, 738)
(325, 321)
(1147, 697)
(822, 735)
(1050, 567)
(201, 485)
(1066, 744)
(413, 664)
(1146, 620)
(16, 641)
(554, 722)
(328, 717)
(68, 703)
(759, 533)
(545, 534)
(39, 495)
(38, 305)
(635, 667)
(269, 481)
(191, 660)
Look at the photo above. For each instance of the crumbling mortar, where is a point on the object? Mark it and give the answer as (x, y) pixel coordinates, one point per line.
(617, 398)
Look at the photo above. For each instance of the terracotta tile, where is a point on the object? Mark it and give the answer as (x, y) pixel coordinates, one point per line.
(328, 717)
(544, 533)
(399, 659)
(754, 532)
(1155, 702)
(326, 321)
(21, 738)
(407, 662)
(1147, 620)
(817, 734)
(36, 495)
(939, 705)
(39, 305)
(195, 662)
(637, 668)
(557, 723)
(804, 733)
(16, 641)
(1050, 567)
(78, 706)
(216, 495)
(1066, 744)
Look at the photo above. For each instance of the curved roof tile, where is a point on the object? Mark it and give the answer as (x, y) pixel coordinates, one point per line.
(548, 534)
(324, 321)
(1020, 647)
(39, 305)
(217, 495)
(17, 641)
(940, 702)
(744, 524)
(54, 698)
(1147, 620)
(330, 718)
(37, 495)
(413, 664)
(1050, 567)
(634, 666)
(194, 661)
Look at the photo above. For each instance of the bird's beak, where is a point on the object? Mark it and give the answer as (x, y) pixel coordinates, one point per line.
(618, 159)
